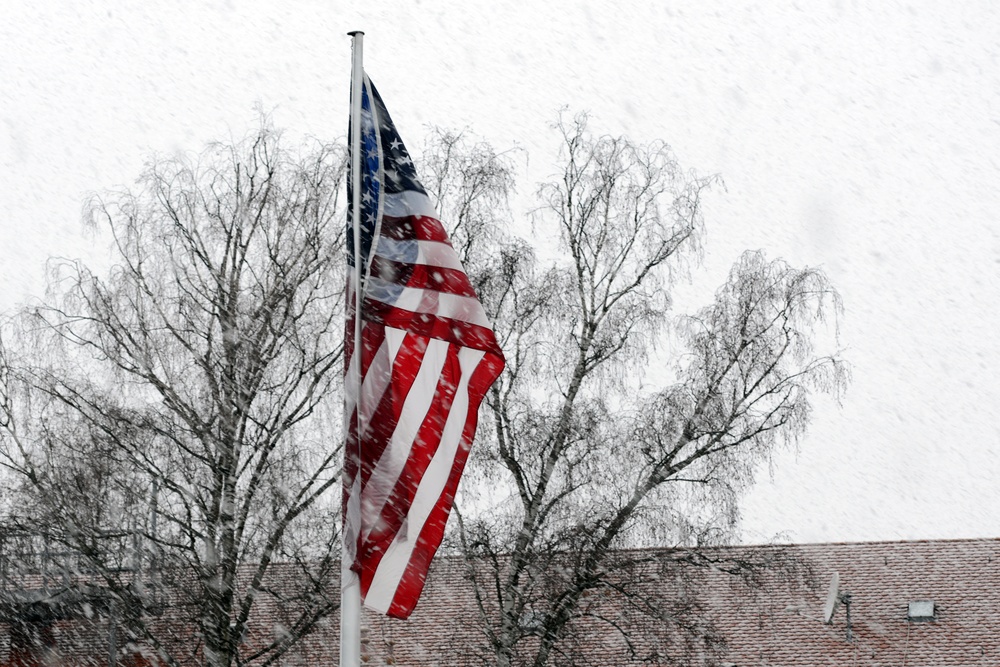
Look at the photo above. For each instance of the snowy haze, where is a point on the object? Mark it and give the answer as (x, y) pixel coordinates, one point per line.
(861, 138)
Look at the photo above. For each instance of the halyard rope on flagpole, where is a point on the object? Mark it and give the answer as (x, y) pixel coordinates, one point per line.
(350, 589)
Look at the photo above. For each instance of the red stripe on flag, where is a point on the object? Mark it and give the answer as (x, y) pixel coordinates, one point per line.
(461, 333)
(372, 335)
(414, 228)
(422, 276)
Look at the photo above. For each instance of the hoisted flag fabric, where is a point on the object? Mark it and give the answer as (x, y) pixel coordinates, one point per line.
(428, 357)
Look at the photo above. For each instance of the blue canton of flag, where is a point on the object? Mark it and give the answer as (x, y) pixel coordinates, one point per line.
(371, 186)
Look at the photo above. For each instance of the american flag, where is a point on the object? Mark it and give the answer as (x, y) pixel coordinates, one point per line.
(428, 356)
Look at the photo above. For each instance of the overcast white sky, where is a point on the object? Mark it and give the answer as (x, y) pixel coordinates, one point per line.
(859, 137)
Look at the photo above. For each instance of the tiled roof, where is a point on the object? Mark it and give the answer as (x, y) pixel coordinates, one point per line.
(778, 625)
(962, 577)
(781, 625)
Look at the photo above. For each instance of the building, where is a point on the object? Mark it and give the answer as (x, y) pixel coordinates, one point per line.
(912, 604)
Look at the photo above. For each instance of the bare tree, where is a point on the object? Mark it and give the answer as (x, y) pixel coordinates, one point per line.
(174, 422)
(589, 451)
(179, 417)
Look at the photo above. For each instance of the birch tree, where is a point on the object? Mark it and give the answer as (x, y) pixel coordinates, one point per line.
(619, 423)
(181, 415)
(174, 422)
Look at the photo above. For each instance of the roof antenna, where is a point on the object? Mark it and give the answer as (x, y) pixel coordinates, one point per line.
(834, 598)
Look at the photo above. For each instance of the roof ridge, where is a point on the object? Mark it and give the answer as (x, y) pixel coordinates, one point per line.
(965, 540)
(775, 545)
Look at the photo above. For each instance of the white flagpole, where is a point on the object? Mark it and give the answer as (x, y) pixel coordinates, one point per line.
(350, 587)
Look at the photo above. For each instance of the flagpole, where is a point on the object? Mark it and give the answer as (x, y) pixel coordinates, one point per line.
(350, 587)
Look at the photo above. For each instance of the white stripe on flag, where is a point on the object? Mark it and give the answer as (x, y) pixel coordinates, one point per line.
(408, 202)
(418, 401)
(430, 253)
(393, 564)
(431, 302)
(378, 376)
